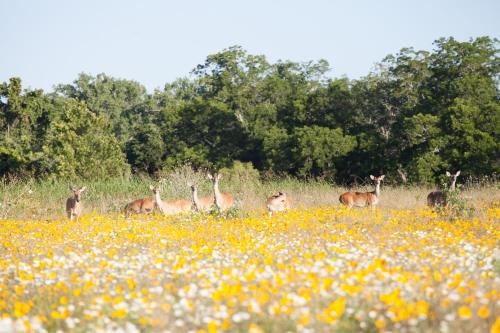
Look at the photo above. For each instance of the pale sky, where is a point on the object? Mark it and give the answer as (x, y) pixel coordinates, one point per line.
(154, 42)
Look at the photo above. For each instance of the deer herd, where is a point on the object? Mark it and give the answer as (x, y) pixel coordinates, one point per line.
(224, 201)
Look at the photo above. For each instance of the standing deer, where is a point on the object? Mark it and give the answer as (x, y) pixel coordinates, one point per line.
(140, 206)
(438, 198)
(171, 207)
(223, 200)
(277, 203)
(201, 204)
(74, 205)
(362, 199)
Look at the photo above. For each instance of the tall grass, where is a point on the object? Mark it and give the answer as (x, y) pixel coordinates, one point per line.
(28, 198)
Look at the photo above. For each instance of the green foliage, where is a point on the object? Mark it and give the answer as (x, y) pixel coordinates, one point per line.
(456, 206)
(79, 145)
(315, 148)
(418, 114)
(146, 150)
(241, 172)
(233, 212)
(23, 122)
(276, 146)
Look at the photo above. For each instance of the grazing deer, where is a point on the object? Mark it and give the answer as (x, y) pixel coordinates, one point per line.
(362, 199)
(223, 200)
(438, 198)
(201, 204)
(171, 207)
(73, 204)
(140, 206)
(277, 203)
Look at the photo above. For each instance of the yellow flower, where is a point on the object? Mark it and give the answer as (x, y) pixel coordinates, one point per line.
(20, 309)
(495, 328)
(422, 307)
(335, 310)
(254, 328)
(120, 313)
(464, 312)
(304, 320)
(483, 312)
(380, 323)
(212, 327)
(55, 315)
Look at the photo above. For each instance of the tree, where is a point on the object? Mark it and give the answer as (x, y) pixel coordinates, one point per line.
(146, 150)
(124, 103)
(80, 145)
(316, 148)
(465, 89)
(23, 123)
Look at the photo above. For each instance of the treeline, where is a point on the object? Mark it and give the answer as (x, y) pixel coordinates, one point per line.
(418, 114)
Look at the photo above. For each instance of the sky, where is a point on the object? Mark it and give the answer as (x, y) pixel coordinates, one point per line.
(154, 42)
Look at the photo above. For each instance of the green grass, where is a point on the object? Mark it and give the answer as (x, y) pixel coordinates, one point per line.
(27, 198)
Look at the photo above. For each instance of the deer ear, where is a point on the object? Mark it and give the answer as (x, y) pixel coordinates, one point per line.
(372, 177)
(209, 176)
(458, 173)
(83, 188)
(448, 173)
(151, 187)
(219, 176)
(382, 177)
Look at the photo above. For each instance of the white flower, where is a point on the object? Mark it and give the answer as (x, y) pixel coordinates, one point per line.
(241, 316)
(70, 322)
(6, 325)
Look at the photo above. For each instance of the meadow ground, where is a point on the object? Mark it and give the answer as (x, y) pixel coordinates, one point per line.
(22, 199)
(316, 268)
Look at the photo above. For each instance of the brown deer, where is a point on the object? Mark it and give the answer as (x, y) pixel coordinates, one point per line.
(74, 205)
(201, 204)
(140, 206)
(223, 200)
(171, 207)
(438, 198)
(277, 203)
(362, 199)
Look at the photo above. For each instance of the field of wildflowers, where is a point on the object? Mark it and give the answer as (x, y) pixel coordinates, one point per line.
(322, 269)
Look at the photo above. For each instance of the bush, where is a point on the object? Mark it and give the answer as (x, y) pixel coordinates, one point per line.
(240, 174)
(456, 206)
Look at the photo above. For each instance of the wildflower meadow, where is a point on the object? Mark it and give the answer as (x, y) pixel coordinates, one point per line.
(315, 269)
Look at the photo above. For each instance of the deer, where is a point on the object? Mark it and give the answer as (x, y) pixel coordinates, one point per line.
(171, 207)
(74, 205)
(438, 198)
(140, 206)
(277, 203)
(223, 200)
(200, 204)
(362, 199)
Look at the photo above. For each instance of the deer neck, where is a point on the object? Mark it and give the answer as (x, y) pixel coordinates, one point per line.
(377, 189)
(452, 186)
(158, 201)
(196, 201)
(218, 195)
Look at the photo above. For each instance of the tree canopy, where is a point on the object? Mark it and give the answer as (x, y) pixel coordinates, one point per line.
(418, 114)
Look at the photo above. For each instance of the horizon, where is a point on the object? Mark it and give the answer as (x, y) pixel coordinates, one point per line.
(155, 43)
